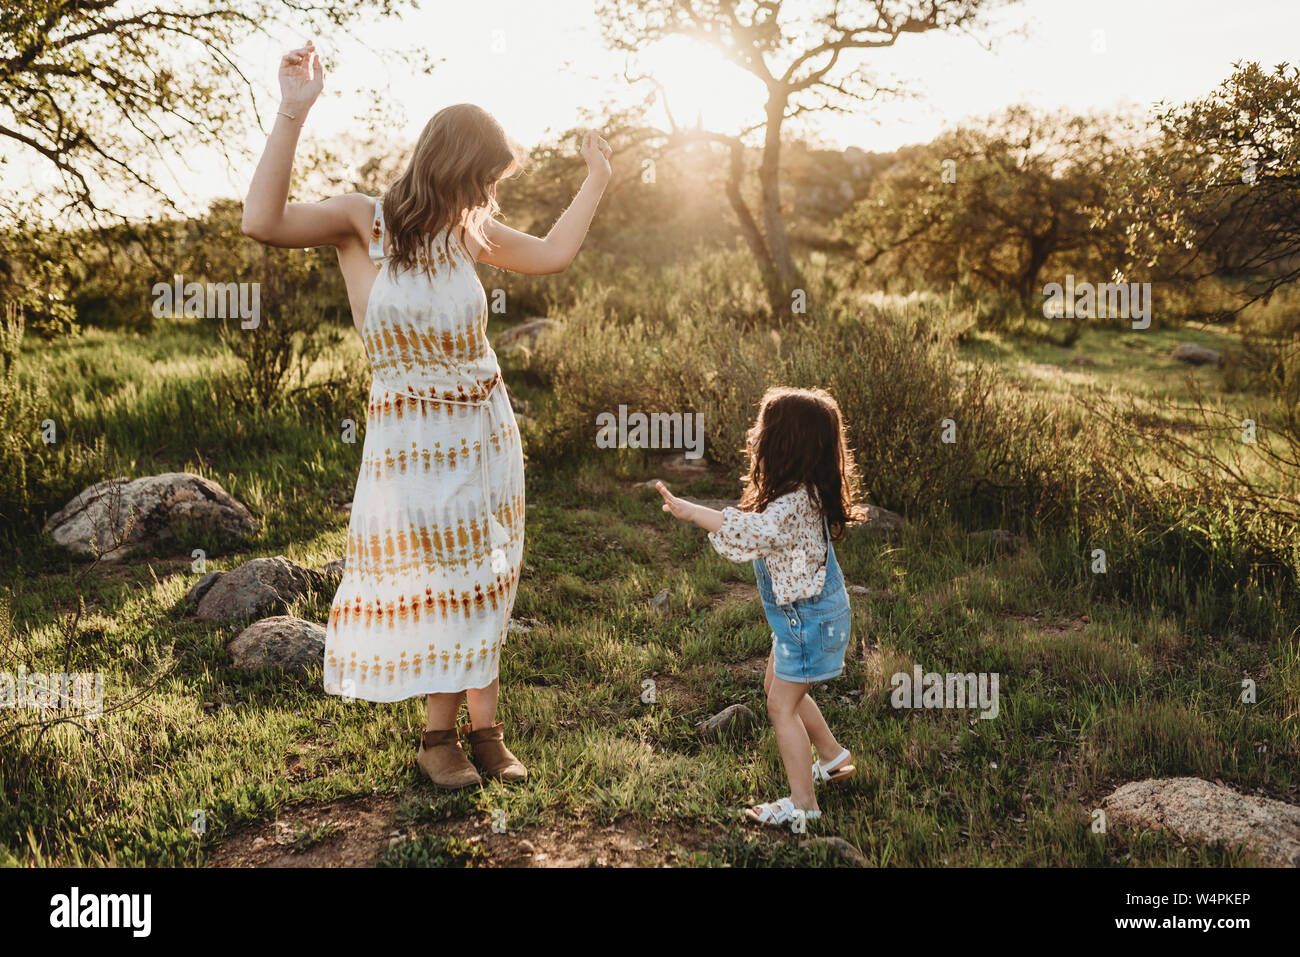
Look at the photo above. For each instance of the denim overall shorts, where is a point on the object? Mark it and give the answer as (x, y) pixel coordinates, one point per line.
(810, 635)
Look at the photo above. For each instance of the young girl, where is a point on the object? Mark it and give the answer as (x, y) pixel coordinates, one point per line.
(798, 497)
(436, 537)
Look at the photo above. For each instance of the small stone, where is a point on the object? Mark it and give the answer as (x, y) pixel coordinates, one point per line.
(879, 523)
(289, 644)
(517, 627)
(859, 590)
(1196, 355)
(527, 847)
(997, 540)
(681, 462)
(526, 334)
(731, 722)
(845, 851)
(660, 601)
(259, 587)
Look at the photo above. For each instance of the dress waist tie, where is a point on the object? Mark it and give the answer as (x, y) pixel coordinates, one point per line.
(498, 537)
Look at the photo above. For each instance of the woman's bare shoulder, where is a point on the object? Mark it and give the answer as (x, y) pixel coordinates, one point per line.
(359, 209)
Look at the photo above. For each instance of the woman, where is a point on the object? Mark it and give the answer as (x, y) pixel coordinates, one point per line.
(435, 542)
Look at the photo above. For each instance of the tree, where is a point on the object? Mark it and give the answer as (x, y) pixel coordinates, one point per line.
(1219, 194)
(97, 89)
(992, 205)
(807, 55)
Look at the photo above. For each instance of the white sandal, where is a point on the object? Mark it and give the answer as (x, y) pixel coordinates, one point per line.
(831, 770)
(779, 813)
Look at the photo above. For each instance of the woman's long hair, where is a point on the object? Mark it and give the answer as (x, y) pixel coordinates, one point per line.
(798, 442)
(451, 181)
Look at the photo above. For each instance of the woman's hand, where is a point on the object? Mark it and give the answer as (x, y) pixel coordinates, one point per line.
(519, 252)
(596, 153)
(269, 217)
(301, 79)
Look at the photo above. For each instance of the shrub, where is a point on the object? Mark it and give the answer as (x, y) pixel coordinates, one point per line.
(34, 475)
(894, 370)
(289, 338)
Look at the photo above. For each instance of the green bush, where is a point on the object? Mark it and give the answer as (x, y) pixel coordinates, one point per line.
(895, 372)
(34, 473)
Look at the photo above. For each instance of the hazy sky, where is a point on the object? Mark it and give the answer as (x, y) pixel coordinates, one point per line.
(536, 64)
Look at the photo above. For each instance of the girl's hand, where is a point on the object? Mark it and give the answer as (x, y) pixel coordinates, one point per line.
(596, 152)
(678, 508)
(301, 79)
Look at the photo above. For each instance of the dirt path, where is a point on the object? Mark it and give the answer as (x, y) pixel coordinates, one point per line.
(357, 832)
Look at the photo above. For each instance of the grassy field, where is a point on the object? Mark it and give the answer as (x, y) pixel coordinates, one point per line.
(1095, 691)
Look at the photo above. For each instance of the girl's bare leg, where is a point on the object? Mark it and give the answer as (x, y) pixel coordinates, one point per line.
(791, 739)
(814, 724)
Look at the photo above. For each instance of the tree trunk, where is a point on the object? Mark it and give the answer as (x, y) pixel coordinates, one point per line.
(748, 227)
(1040, 250)
(787, 275)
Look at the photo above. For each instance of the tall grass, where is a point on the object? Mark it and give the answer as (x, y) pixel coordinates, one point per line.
(935, 432)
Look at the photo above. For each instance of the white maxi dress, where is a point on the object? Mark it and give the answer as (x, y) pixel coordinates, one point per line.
(435, 541)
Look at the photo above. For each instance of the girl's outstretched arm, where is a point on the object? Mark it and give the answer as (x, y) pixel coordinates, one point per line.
(268, 216)
(519, 252)
(709, 519)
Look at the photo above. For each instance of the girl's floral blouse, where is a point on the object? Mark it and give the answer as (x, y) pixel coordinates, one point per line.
(787, 535)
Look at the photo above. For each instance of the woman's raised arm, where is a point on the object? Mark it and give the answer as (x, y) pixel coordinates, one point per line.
(520, 252)
(268, 216)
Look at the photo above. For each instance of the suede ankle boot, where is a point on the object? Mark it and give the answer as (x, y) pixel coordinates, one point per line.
(490, 753)
(442, 759)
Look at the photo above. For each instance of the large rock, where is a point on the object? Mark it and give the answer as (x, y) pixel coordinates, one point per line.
(120, 515)
(261, 587)
(525, 334)
(201, 588)
(290, 644)
(1197, 810)
(1196, 355)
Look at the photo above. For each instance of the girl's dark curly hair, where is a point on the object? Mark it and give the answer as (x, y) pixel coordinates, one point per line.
(798, 442)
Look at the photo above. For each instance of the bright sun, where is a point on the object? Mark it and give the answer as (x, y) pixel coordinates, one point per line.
(701, 86)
